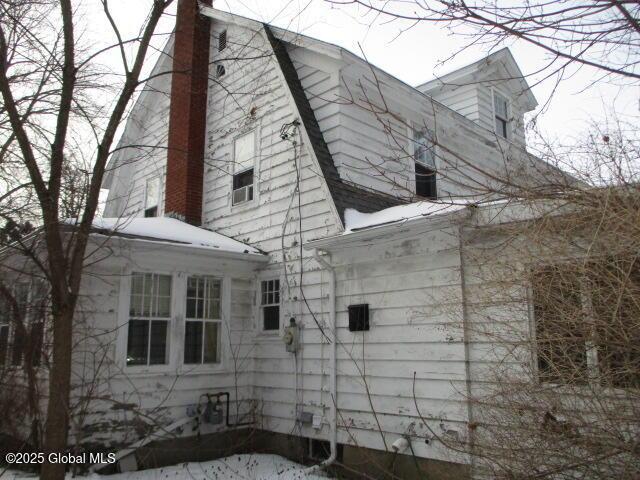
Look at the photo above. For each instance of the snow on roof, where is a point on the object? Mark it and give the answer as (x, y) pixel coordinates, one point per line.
(171, 230)
(355, 220)
(236, 467)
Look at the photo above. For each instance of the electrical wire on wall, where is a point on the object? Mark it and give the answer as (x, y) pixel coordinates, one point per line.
(290, 132)
(287, 132)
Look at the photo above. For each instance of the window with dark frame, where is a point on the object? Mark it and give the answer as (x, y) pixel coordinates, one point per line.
(270, 304)
(243, 165)
(586, 323)
(203, 320)
(149, 317)
(501, 113)
(425, 164)
(152, 197)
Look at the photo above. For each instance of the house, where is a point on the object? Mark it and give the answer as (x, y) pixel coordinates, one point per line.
(284, 232)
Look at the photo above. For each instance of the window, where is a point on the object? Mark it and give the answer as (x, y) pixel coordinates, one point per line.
(203, 321)
(4, 331)
(220, 71)
(152, 197)
(149, 315)
(21, 296)
(243, 165)
(222, 40)
(586, 322)
(501, 114)
(425, 164)
(561, 344)
(270, 304)
(21, 341)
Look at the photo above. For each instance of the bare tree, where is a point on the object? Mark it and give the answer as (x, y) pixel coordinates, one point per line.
(603, 35)
(61, 103)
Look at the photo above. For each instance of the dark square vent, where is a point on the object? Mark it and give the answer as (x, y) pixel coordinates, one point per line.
(359, 317)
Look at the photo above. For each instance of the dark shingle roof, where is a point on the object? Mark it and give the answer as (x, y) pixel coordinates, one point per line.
(343, 194)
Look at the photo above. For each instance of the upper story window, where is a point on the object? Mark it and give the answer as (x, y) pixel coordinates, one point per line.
(244, 151)
(203, 320)
(149, 316)
(152, 197)
(501, 114)
(270, 304)
(424, 164)
(21, 331)
(586, 322)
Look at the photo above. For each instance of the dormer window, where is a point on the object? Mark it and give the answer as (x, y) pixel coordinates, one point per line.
(425, 164)
(244, 149)
(152, 197)
(501, 114)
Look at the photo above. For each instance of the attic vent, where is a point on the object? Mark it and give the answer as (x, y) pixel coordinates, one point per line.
(222, 41)
(359, 317)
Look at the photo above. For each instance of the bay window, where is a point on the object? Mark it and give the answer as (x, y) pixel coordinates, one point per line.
(203, 320)
(21, 331)
(149, 317)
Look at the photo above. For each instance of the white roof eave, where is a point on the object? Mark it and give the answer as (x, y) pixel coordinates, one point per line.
(394, 229)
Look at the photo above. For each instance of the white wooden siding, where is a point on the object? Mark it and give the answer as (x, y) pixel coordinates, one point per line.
(412, 286)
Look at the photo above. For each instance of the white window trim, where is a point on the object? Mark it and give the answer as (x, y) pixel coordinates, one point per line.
(436, 152)
(176, 326)
(256, 171)
(28, 321)
(123, 324)
(269, 334)
(509, 136)
(225, 305)
(160, 178)
(412, 131)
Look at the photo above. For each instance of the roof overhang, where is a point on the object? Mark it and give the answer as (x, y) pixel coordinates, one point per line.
(282, 34)
(392, 230)
(176, 248)
(502, 63)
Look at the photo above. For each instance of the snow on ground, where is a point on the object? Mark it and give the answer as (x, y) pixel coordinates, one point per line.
(171, 230)
(355, 220)
(236, 467)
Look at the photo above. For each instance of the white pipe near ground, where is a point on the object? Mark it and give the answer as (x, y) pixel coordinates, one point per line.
(333, 365)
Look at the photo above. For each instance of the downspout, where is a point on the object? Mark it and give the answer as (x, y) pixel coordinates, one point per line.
(333, 366)
(466, 339)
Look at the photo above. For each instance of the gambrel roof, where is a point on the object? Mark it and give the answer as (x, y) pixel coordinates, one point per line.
(344, 194)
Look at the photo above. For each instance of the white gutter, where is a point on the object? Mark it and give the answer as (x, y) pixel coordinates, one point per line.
(333, 387)
(387, 230)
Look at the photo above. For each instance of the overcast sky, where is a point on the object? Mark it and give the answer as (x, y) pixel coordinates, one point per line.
(417, 54)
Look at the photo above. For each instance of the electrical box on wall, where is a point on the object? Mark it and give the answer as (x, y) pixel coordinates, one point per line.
(359, 317)
(290, 337)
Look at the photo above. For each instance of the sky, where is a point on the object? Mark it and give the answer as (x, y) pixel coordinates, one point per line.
(417, 53)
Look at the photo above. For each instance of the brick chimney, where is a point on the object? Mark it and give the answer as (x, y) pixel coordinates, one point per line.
(187, 119)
